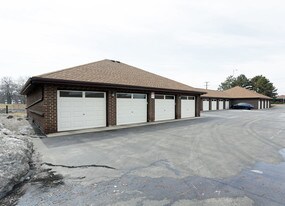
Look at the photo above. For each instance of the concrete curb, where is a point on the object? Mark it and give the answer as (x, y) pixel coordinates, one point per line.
(112, 128)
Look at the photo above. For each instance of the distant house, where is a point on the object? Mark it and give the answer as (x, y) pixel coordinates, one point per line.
(106, 93)
(219, 100)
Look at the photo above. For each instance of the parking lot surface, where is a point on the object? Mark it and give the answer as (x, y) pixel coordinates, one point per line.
(229, 157)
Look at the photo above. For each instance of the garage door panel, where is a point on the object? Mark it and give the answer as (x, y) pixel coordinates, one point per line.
(187, 107)
(227, 104)
(221, 105)
(80, 112)
(164, 109)
(214, 105)
(206, 105)
(131, 110)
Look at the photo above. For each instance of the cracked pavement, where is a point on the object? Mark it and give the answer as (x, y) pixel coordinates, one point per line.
(78, 166)
(223, 158)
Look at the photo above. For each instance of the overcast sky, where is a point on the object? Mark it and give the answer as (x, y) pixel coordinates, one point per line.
(191, 41)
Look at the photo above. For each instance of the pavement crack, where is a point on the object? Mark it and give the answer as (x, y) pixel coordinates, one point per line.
(78, 166)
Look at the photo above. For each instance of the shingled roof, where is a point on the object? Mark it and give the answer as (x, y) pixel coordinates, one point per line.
(114, 73)
(214, 94)
(242, 93)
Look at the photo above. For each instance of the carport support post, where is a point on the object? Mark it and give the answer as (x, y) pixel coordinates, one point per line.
(7, 109)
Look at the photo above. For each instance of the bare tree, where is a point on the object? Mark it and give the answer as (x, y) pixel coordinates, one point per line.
(20, 82)
(10, 90)
(7, 88)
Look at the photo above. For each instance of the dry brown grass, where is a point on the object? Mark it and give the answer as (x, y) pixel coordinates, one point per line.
(17, 110)
(13, 106)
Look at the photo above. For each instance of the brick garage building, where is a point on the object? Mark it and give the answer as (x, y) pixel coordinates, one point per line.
(239, 94)
(214, 100)
(219, 100)
(106, 93)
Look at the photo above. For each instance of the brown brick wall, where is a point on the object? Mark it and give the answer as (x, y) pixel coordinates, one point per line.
(218, 104)
(177, 106)
(50, 108)
(33, 109)
(198, 102)
(111, 108)
(150, 108)
(35, 95)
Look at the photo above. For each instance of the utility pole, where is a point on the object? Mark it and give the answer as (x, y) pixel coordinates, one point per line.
(206, 84)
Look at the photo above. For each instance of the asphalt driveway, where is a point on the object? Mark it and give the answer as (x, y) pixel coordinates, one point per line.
(223, 158)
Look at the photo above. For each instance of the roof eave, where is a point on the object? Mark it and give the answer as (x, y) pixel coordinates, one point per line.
(251, 97)
(26, 87)
(35, 80)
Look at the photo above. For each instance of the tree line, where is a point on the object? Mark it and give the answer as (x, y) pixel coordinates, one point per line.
(10, 90)
(259, 83)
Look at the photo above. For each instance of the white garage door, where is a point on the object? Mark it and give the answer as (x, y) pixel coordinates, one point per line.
(164, 107)
(80, 110)
(131, 108)
(221, 104)
(187, 106)
(214, 104)
(205, 105)
(227, 104)
(265, 104)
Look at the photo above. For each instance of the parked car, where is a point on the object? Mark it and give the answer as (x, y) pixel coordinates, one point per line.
(242, 106)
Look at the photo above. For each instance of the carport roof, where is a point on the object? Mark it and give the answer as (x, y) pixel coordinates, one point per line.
(110, 72)
(242, 93)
